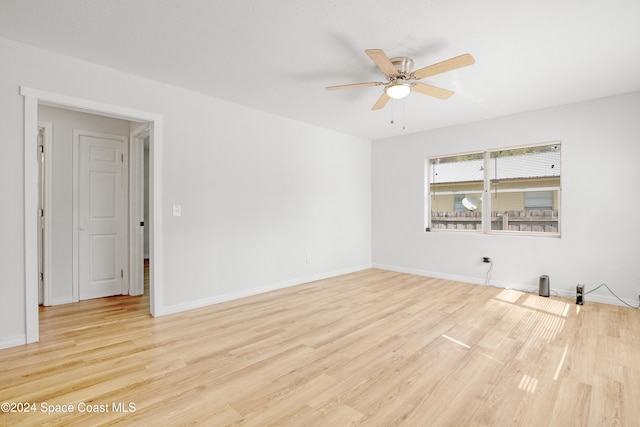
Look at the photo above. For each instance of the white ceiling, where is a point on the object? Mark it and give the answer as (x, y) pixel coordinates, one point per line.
(278, 55)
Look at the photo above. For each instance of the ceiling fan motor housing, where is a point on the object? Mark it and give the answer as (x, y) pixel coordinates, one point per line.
(404, 65)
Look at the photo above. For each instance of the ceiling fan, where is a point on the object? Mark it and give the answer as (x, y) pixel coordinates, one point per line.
(400, 76)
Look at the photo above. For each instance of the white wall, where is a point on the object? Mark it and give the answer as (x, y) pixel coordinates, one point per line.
(258, 192)
(600, 175)
(64, 122)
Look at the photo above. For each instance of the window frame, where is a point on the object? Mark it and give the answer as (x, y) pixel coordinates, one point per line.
(486, 215)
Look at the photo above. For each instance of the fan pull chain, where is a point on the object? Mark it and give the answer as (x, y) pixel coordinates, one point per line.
(404, 116)
(392, 110)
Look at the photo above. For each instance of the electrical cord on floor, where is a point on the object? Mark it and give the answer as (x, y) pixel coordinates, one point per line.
(488, 277)
(612, 293)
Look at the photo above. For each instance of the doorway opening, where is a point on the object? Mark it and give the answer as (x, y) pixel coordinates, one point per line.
(44, 205)
(150, 127)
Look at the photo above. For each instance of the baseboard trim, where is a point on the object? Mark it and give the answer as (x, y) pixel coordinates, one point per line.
(452, 277)
(62, 300)
(177, 308)
(13, 341)
(604, 299)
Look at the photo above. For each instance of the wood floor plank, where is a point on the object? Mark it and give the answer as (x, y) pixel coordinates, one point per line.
(373, 347)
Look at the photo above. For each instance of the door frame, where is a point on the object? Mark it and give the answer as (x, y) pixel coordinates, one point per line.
(33, 97)
(137, 173)
(46, 182)
(124, 211)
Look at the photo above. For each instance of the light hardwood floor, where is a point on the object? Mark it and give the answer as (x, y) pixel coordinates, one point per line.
(369, 348)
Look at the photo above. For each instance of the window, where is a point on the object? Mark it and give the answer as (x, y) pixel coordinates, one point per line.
(457, 184)
(458, 205)
(513, 190)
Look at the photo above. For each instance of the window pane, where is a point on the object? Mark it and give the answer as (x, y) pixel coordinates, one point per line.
(525, 188)
(509, 212)
(455, 187)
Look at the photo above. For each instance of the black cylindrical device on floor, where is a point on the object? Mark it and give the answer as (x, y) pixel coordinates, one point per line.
(544, 286)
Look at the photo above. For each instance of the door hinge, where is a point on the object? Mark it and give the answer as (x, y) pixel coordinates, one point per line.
(41, 213)
(122, 157)
(41, 277)
(122, 274)
(41, 148)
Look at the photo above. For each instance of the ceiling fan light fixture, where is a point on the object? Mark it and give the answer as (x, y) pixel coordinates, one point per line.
(398, 90)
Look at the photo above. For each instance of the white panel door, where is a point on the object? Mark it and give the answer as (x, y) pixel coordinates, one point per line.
(100, 217)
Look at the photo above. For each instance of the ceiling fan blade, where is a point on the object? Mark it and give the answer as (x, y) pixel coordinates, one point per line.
(382, 61)
(381, 102)
(434, 91)
(353, 85)
(441, 67)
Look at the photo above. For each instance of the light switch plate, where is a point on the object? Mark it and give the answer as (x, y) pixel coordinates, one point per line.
(177, 210)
